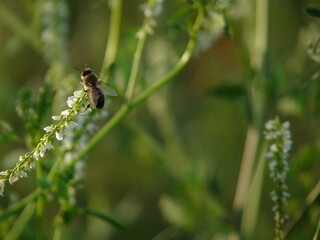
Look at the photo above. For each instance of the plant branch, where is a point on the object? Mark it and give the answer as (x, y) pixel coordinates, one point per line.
(113, 38)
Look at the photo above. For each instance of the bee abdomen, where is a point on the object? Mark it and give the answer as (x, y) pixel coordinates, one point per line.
(100, 100)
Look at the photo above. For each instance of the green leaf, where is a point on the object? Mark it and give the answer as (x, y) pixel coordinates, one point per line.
(180, 14)
(45, 100)
(68, 213)
(25, 106)
(231, 92)
(313, 12)
(6, 132)
(104, 217)
(44, 184)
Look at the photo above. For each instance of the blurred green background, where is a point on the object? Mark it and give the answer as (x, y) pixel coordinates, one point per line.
(170, 169)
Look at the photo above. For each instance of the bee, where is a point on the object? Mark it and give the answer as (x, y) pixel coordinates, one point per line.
(92, 83)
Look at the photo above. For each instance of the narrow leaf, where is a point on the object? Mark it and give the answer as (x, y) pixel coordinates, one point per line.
(313, 12)
(231, 92)
(104, 217)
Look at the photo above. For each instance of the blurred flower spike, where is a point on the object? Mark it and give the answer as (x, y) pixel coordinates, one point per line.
(279, 137)
(151, 10)
(63, 127)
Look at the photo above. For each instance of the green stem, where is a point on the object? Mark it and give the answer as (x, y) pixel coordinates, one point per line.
(315, 237)
(142, 35)
(58, 232)
(21, 222)
(40, 203)
(256, 95)
(179, 65)
(113, 38)
(105, 130)
(21, 204)
(300, 213)
(135, 66)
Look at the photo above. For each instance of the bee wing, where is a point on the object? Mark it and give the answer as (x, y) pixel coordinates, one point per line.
(108, 90)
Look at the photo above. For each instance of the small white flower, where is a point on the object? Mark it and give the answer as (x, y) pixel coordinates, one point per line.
(286, 194)
(57, 118)
(21, 158)
(274, 148)
(280, 138)
(13, 178)
(70, 126)
(36, 155)
(72, 101)
(65, 112)
(74, 113)
(68, 157)
(273, 164)
(159, 8)
(48, 129)
(91, 127)
(270, 125)
(286, 126)
(2, 184)
(48, 145)
(41, 153)
(89, 110)
(59, 135)
(32, 165)
(77, 93)
(269, 154)
(139, 34)
(149, 30)
(274, 198)
(22, 174)
(147, 12)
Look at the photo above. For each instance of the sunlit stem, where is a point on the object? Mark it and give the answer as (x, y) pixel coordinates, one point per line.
(113, 38)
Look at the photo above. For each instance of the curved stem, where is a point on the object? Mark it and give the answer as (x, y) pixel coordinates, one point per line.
(113, 38)
(142, 35)
(135, 66)
(21, 222)
(40, 204)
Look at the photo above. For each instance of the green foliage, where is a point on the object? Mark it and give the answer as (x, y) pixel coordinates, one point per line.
(313, 12)
(231, 92)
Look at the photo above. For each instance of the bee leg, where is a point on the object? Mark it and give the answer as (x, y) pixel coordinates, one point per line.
(88, 106)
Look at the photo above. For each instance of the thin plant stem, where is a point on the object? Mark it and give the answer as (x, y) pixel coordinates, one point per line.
(58, 232)
(142, 35)
(21, 222)
(257, 104)
(135, 66)
(297, 217)
(179, 65)
(246, 169)
(40, 203)
(315, 237)
(21, 204)
(113, 38)
(250, 212)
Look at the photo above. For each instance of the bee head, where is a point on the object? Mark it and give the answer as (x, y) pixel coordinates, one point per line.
(86, 72)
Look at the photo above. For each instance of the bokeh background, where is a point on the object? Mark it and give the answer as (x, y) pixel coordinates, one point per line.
(170, 169)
